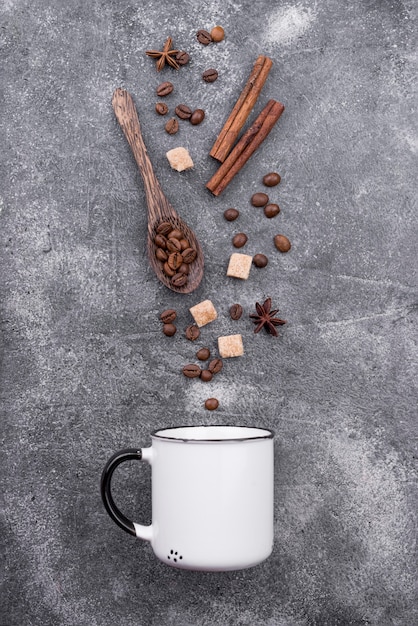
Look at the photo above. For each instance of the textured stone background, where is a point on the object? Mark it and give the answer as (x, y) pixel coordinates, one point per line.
(86, 370)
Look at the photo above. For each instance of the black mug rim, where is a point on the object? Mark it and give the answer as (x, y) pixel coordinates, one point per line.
(269, 434)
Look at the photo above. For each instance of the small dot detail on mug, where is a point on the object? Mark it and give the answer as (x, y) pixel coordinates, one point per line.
(174, 555)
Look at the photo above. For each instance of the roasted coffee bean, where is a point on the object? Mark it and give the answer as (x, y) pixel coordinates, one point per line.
(161, 255)
(189, 255)
(272, 179)
(182, 57)
(175, 234)
(231, 214)
(173, 245)
(164, 228)
(209, 76)
(168, 316)
(169, 330)
(160, 241)
(161, 108)
(192, 332)
(215, 366)
(197, 117)
(204, 37)
(184, 244)
(235, 311)
(203, 354)
(211, 404)
(282, 243)
(191, 371)
(183, 111)
(239, 240)
(206, 376)
(259, 199)
(179, 279)
(172, 126)
(260, 260)
(164, 89)
(184, 268)
(217, 33)
(168, 270)
(271, 210)
(175, 260)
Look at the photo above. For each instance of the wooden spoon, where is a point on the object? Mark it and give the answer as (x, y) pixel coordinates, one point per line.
(159, 208)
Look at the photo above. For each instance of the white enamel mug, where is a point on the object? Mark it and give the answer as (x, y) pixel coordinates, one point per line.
(212, 496)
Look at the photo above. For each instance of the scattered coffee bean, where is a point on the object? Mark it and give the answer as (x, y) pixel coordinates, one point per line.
(172, 126)
(259, 199)
(161, 255)
(175, 260)
(164, 228)
(179, 279)
(260, 260)
(215, 366)
(161, 108)
(169, 330)
(164, 89)
(239, 240)
(271, 210)
(217, 33)
(206, 376)
(231, 214)
(204, 37)
(183, 111)
(168, 316)
(173, 245)
(209, 76)
(184, 268)
(175, 233)
(189, 255)
(211, 404)
(272, 179)
(191, 371)
(192, 332)
(182, 57)
(203, 354)
(282, 243)
(235, 311)
(168, 270)
(184, 244)
(197, 117)
(160, 241)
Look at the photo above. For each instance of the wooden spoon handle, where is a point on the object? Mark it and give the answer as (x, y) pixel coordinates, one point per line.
(127, 116)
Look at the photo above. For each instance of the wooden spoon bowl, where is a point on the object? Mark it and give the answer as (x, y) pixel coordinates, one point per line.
(159, 208)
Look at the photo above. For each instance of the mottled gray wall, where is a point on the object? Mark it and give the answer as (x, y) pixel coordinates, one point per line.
(86, 370)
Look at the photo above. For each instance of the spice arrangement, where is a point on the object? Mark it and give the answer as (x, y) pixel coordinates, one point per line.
(173, 249)
(245, 147)
(229, 346)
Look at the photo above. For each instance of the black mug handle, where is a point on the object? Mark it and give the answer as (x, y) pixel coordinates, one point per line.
(128, 454)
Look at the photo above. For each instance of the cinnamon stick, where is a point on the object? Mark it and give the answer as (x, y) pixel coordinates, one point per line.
(242, 109)
(245, 147)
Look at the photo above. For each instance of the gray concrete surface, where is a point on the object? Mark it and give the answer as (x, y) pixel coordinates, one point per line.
(86, 370)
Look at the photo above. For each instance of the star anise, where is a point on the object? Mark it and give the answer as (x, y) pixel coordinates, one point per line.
(165, 56)
(265, 318)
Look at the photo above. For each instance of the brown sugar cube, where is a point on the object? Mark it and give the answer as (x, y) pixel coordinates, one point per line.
(179, 159)
(239, 265)
(230, 345)
(203, 313)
